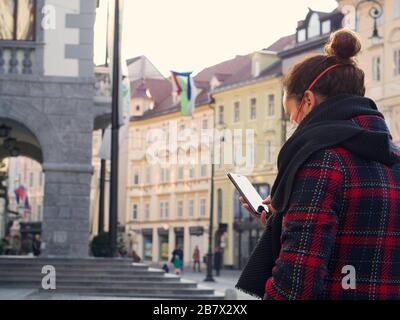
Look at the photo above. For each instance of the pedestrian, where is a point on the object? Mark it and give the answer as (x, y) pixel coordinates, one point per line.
(177, 252)
(217, 260)
(165, 268)
(36, 245)
(196, 259)
(26, 246)
(177, 264)
(335, 202)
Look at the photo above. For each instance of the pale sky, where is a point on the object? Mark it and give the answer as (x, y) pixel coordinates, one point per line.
(190, 35)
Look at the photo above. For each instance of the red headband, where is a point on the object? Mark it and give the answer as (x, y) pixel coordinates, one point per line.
(314, 82)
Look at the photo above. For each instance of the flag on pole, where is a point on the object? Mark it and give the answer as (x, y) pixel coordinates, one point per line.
(21, 196)
(184, 88)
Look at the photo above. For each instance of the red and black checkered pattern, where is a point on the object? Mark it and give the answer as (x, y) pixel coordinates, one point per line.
(344, 211)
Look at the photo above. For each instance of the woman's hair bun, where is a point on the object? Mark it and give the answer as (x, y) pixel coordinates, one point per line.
(344, 44)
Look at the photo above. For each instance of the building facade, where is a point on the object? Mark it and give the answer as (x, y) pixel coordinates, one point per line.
(380, 58)
(169, 201)
(46, 102)
(26, 173)
(248, 114)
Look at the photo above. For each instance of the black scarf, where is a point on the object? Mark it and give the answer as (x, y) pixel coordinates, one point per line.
(325, 126)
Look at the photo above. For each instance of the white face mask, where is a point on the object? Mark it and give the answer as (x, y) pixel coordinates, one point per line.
(291, 128)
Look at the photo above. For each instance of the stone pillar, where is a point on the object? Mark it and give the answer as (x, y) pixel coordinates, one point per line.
(156, 246)
(187, 256)
(171, 241)
(66, 211)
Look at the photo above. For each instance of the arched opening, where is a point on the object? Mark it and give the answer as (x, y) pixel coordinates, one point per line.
(22, 189)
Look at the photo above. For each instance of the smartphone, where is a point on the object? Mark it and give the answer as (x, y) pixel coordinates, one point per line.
(248, 192)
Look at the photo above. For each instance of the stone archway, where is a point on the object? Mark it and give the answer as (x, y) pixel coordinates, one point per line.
(67, 176)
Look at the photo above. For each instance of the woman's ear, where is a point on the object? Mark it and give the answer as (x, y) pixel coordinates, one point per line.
(309, 101)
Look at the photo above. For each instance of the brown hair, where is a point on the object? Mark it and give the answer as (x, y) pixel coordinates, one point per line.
(341, 48)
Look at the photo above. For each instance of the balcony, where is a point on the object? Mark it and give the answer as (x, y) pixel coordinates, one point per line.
(20, 57)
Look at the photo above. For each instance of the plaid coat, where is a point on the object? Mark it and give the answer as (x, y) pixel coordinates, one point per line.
(343, 211)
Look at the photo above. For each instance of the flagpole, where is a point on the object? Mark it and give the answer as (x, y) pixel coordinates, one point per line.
(103, 161)
(113, 221)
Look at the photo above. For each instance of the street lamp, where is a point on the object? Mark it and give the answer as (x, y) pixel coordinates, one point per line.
(209, 277)
(375, 13)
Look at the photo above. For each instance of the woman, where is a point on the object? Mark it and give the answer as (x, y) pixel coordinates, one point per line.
(333, 230)
(177, 261)
(36, 245)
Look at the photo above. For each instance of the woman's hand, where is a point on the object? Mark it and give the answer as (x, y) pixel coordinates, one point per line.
(269, 205)
(264, 215)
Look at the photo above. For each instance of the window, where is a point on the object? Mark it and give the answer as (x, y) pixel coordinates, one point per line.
(376, 68)
(147, 211)
(221, 115)
(239, 213)
(203, 207)
(396, 8)
(148, 175)
(17, 20)
(164, 210)
(269, 152)
(236, 112)
(136, 177)
(179, 209)
(191, 172)
(301, 35)
(326, 27)
(238, 150)
(271, 105)
(396, 62)
(203, 170)
(191, 208)
(252, 154)
(313, 26)
(164, 175)
(205, 124)
(253, 109)
(181, 173)
(135, 208)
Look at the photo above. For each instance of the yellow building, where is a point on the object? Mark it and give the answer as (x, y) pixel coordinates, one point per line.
(169, 169)
(380, 58)
(252, 100)
(248, 119)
